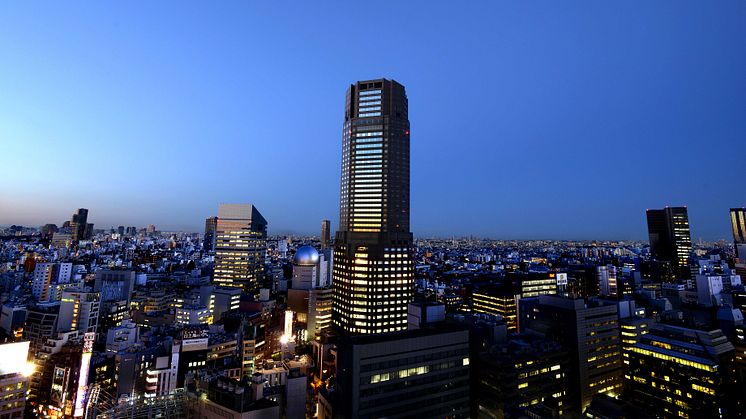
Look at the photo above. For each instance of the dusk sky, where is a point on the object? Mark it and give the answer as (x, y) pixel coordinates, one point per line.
(545, 119)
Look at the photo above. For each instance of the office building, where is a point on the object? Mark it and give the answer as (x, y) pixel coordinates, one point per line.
(502, 298)
(240, 247)
(670, 238)
(46, 275)
(41, 324)
(589, 329)
(680, 372)
(738, 224)
(211, 226)
(115, 285)
(193, 314)
(79, 310)
(495, 301)
(79, 225)
(522, 372)
(373, 274)
(608, 283)
(423, 372)
(326, 234)
(223, 300)
(12, 318)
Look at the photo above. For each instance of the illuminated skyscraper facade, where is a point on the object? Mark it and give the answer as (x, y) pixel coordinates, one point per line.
(738, 223)
(373, 271)
(240, 247)
(670, 238)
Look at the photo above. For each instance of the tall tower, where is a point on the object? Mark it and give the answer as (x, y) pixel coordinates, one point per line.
(670, 238)
(79, 224)
(240, 246)
(211, 225)
(738, 222)
(326, 234)
(373, 274)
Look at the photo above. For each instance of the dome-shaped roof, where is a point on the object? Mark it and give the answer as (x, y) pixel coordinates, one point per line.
(306, 255)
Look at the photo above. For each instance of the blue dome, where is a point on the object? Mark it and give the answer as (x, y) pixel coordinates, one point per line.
(306, 255)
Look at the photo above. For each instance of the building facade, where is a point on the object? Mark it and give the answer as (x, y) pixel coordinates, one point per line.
(240, 247)
(680, 372)
(422, 372)
(670, 238)
(373, 274)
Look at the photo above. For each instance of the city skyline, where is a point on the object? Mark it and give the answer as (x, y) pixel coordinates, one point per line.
(498, 152)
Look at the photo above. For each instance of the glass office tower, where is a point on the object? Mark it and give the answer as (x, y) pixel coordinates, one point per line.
(373, 275)
(240, 247)
(670, 238)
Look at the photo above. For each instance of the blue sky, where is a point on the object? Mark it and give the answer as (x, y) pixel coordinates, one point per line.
(529, 119)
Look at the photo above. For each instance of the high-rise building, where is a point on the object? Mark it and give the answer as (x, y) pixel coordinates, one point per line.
(211, 226)
(240, 247)
(373, 274)
(326, 234)
(670, 238)
(738, 222)
(590, 330)
(79, 224)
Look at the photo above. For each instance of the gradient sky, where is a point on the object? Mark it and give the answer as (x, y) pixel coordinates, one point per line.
(538, 119)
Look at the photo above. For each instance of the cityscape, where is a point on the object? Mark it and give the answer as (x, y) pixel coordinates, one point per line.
(365, 317)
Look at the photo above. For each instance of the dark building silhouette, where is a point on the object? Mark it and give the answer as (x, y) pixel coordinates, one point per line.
(670, 238)
(211, 226)
(738, 223)
(373, 259)
(79, 224)
(414, 373)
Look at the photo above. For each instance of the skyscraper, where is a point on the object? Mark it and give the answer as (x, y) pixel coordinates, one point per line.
(738, 222)
(211, 225)
(240, 246)
(373, 272)
(326, 234)
(670, 239)
(79, 224)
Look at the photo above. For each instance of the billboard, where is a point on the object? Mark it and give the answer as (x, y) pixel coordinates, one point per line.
(562, 279)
